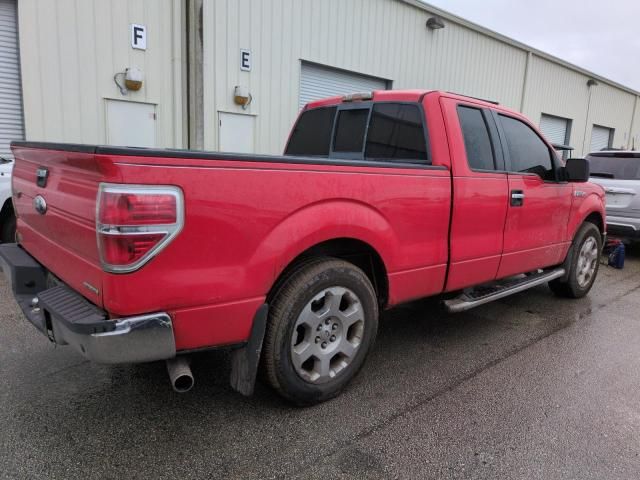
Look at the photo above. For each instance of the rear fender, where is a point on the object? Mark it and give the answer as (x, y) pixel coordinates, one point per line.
(320, 222)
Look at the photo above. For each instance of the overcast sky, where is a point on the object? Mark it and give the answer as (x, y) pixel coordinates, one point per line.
(602, 36)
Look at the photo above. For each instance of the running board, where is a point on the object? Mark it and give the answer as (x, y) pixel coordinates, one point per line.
(475, 297)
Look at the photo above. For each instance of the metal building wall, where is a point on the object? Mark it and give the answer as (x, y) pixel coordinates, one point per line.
(380, 38)
(388, 39)
(613, 108)
(70, 51)
(557, 90)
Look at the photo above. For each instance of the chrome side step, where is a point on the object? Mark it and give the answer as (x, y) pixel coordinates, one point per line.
(475, 297)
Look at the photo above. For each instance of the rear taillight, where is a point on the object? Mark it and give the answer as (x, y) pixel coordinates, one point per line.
(134, 223)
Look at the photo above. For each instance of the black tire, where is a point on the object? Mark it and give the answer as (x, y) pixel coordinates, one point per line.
(571, 287)
(299, 293)
(8, 229)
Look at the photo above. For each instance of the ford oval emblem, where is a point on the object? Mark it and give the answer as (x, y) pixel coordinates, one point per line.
(40, 204)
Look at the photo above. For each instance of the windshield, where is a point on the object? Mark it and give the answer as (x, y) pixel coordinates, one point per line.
(619, 167)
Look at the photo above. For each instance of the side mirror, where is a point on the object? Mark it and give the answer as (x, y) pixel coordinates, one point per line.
(576, 170)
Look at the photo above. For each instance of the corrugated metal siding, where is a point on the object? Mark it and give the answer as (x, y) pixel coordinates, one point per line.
(613, 108)
(556, 90)
(11, 126)
(70, 51)
(318, 82)
(634, 137)
(379, 38)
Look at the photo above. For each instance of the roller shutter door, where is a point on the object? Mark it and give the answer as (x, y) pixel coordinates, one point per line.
(11, 125)
(600, 138)
(554, 129)
(318, 82)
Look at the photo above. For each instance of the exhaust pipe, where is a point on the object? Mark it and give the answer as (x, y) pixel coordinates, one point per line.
(180, 374)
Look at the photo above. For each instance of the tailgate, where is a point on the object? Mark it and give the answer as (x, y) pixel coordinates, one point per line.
(622, 196)
(55, 195)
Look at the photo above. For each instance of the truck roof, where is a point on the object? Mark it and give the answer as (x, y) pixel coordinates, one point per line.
(415, 95)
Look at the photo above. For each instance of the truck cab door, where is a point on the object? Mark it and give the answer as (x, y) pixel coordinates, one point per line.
(480, 194)
(535, 234)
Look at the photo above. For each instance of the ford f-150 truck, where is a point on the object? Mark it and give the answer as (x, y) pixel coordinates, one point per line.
(136, 255)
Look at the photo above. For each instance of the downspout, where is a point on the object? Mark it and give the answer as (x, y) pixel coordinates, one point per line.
(630, 141)
(586, 121)
(195, 83)
(179, 67)
(525, 82)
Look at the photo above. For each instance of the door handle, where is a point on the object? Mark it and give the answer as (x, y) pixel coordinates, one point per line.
(517, 198)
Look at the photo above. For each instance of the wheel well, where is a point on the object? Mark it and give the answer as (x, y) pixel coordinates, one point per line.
(596, 219)
(6, 211)
(359, 253)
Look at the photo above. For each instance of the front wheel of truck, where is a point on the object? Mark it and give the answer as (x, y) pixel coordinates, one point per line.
(322, 324)
(583, 267)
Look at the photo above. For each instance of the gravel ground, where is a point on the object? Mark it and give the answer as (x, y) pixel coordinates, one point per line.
(528, 387)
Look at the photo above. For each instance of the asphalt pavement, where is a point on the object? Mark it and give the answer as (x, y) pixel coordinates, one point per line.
(530, 387)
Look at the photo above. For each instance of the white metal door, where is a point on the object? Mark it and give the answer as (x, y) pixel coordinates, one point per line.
(236, 132)
(554, 128)
(600, 138)
(11, 124)
(318, 82)
(131, 124)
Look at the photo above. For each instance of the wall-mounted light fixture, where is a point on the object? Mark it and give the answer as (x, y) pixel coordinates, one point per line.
(435, 23)
(133, 79)
(592, 83)
(242, 96)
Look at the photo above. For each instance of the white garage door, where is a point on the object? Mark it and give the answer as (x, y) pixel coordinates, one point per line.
(554, 129)
(600, 138)
(11, 126)
(318, 82)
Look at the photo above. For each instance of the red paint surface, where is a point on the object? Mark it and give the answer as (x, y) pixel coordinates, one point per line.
(246, 221)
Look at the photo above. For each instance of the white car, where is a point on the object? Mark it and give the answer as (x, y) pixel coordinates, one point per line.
(7, 217)
(618, 172)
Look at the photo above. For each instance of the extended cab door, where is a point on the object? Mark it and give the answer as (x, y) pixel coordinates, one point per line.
(480, 194)
(535, 234)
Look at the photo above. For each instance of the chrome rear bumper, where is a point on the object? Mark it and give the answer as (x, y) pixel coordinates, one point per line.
(67, 318)
(133, 340)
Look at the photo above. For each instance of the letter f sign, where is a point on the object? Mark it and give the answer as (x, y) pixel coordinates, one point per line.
(138, 36)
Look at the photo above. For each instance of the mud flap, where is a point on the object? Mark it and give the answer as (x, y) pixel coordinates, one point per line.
(245, 360)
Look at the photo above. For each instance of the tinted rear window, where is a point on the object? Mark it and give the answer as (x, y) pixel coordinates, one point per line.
(476, 139)
(622, 168)
(312, 134)
(396, 133)
(350, 130)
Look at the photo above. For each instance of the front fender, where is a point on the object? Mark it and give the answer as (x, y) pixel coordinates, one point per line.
(582, 208)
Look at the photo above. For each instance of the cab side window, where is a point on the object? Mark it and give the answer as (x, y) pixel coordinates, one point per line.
(477, 141)
(396, 133)
(528, 153)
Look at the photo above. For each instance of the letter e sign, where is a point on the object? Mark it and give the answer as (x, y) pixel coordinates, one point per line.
(245, 60)
(138, 36)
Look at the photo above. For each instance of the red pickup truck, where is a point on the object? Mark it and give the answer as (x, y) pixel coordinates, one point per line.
(136, 255)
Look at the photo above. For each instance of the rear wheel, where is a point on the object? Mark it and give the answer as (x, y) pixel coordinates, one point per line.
(322, 323)
(584, 265)
(8, 229)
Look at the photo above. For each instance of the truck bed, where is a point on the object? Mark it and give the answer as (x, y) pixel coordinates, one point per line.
(246, 218)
